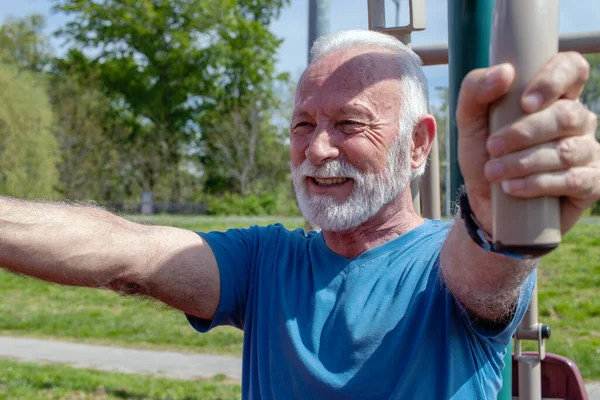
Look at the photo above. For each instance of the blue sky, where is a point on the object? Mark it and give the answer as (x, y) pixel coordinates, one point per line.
(575, 16)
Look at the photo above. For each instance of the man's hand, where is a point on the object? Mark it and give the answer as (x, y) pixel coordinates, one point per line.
(550, 151)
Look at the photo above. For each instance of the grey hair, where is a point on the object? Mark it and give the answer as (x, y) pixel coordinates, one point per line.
(414, 98)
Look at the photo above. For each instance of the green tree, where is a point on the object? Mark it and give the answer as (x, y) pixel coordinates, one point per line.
(28, 149)
(163, 62)
(244, 151)
(92, 167)
(23, 43)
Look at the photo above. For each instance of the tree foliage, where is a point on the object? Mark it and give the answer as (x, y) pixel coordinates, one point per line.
(28, 148)
(244, 151)
(161, 95)
(23, 43)
(163, 62)
(91, 165)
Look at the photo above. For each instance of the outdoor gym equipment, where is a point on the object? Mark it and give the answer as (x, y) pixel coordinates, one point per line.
(524, 34)
(529, 227)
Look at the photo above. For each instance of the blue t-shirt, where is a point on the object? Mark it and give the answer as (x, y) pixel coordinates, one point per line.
(379, 326)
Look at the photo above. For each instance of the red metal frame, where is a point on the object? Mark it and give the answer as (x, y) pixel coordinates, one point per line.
(561, 378)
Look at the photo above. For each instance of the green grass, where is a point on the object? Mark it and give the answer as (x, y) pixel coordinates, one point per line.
(34, 382)
(569, 298)
(569, 303)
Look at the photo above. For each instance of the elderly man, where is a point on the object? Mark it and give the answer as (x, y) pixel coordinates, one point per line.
(380, 303)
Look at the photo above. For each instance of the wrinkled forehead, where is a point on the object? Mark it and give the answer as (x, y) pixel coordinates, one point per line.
(352, 71)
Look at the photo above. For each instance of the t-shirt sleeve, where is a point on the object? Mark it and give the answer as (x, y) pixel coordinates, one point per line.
(234, 251)
(500, 335)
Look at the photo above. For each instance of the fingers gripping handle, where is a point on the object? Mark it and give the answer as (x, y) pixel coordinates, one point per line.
(524, 34)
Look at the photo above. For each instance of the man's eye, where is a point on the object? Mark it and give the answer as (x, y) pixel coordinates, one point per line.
(348, 122)
(302, 127)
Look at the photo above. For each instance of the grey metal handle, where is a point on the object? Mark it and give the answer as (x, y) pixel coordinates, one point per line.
(524, 34)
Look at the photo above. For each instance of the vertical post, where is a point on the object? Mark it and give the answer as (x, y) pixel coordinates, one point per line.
(530, 367)
(318, 21)
(469, 27)
(506, 390)
(397, 3)
(430, 184)
(469, 23)
(376, 9)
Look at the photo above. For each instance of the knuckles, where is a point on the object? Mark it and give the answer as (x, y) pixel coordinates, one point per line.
(582, 65)
(570, 114)
(518, 136)
(575, 183)
(568, 151)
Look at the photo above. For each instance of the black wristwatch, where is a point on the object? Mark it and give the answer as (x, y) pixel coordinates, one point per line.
(474, 229)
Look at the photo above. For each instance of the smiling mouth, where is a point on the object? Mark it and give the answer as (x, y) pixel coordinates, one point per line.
(329, 181)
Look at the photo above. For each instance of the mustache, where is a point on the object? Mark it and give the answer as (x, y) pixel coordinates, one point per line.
(332, 169)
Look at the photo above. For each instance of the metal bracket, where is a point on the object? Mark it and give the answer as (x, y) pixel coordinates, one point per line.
(416, 22)
(539, 333)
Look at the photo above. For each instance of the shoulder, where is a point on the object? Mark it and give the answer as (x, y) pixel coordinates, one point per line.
(430, 235)
(255, 236)
(437, 226)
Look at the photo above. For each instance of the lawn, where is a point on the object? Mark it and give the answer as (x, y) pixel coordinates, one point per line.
(569, 298)
(33, 382)
(569, 303)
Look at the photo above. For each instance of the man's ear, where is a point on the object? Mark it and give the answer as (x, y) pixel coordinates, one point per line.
(422, 140)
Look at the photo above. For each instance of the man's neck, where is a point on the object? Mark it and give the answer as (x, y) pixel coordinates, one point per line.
(393, 220)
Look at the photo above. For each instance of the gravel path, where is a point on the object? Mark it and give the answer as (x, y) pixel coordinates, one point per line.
(114, 359)
(149, 362)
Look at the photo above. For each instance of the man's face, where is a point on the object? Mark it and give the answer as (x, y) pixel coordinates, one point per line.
(344, 128)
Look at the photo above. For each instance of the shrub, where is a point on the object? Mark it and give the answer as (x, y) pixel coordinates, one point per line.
(275, 203)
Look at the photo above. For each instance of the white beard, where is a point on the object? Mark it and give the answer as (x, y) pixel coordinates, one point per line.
(371, 191)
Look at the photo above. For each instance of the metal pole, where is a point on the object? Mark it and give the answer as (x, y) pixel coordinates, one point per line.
(469, 39)
(397, 3)
(376, 9)
(530, 366)
(430, 184)
(318, 21)
(506, 389)
(469, 25)
(584, 43)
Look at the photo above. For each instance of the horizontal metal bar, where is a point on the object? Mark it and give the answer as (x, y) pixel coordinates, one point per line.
(436, 54)
(584, 43)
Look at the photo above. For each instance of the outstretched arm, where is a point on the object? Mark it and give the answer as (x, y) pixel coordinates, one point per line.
(87, 246)
(551, 151)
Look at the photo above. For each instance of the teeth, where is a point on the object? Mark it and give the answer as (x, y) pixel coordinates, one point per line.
(329, 181)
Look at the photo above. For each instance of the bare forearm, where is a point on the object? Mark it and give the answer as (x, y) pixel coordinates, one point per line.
(488, 284)
(68, 244)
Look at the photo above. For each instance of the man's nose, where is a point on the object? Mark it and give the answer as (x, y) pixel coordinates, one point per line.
(320, 148)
